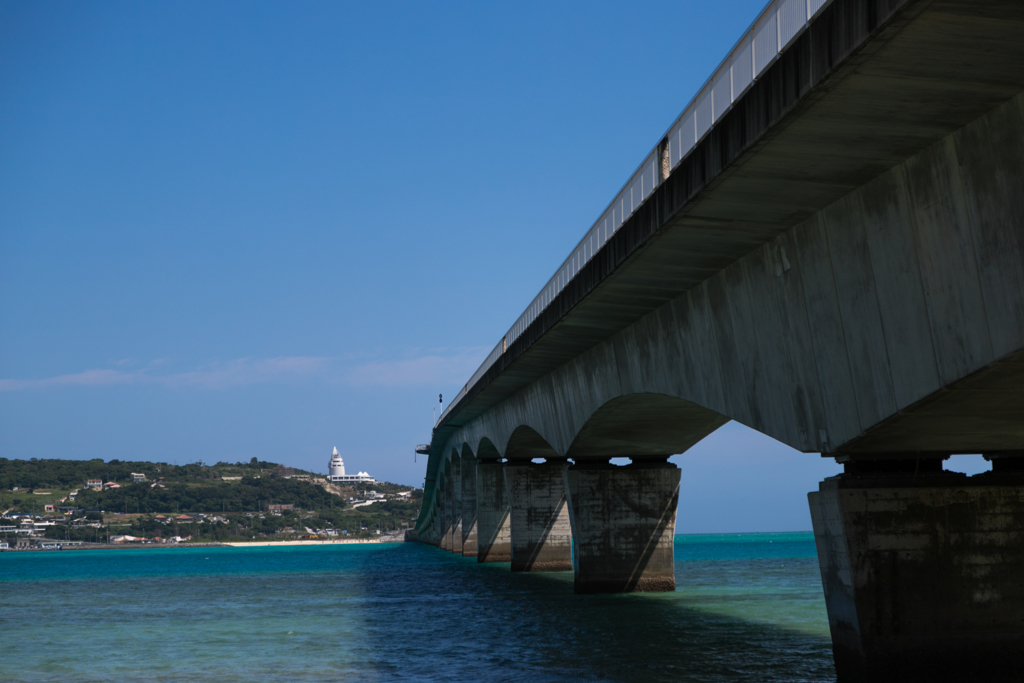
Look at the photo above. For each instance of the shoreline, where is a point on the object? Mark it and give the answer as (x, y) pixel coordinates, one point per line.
(257, 544)
(211, 544)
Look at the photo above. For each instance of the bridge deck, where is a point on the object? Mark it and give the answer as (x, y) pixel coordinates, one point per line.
(866, 86)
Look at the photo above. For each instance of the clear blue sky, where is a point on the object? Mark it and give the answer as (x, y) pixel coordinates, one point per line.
(245, 229)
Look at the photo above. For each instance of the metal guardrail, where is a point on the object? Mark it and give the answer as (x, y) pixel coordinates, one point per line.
(778, 25)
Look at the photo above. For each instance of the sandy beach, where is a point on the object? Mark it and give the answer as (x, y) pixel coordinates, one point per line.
(257, 544)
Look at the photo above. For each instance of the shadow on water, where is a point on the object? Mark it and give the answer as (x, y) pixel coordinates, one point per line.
(462, 620)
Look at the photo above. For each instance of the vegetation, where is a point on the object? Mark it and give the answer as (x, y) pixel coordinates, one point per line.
(71, 474)
(248, 495)
(233, 510)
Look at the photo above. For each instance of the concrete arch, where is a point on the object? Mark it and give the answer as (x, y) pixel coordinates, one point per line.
(644, 424)
(526, 443)
(486, 450)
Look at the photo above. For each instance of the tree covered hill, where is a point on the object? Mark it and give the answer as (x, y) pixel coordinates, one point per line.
(71, 474)
(193, 487)
(242, 502)
(248, 495)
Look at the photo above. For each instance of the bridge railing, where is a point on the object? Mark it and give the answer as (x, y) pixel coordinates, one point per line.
(778, 25)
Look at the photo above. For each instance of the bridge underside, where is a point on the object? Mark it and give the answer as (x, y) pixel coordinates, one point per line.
(839, 265)
(892, 321)
(867, 86)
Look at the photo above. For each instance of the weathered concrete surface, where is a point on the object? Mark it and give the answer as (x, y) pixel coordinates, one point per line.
(923, 575)
(623, 526)
(765, 281)
(494, 540)
(893, 319)
(541, 534)
(456, 476)
(869, 85)
(469, 504)
(839, 264)
(446, 514)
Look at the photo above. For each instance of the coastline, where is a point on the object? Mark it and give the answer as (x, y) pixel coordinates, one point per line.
(214, 544)
(257, 544)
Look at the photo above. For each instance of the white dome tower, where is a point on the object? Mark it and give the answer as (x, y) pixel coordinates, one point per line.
(336, 466)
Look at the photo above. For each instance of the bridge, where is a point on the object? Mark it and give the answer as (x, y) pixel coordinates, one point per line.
(826, 246)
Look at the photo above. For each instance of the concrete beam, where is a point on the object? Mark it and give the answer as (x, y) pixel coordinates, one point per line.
(623, 526)
(540, 530)
(494, 540)
(922, 573)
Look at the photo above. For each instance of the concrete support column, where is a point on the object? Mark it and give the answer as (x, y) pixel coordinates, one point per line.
(446, 542)
(623, 525)
(456, 546)
(494, 540)
(923, 571)
(469, 507)
(540, 531)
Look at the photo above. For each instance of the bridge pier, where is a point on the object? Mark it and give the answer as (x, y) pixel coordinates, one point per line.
(922, 570)
(433, 531)
(541, 534)
(494, 541)
(623, 525)
(456, 546)
(446, 538)
(469, 505)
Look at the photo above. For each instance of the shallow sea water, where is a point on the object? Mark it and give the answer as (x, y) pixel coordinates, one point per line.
(747, 607)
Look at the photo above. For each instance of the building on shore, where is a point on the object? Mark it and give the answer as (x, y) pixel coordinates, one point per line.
(336, 471)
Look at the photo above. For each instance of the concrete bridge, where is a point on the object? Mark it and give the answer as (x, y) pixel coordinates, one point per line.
(828, 247)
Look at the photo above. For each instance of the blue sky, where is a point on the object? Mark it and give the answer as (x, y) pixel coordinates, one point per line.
(267, 229)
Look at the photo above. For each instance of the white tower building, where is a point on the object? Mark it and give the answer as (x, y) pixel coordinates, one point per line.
(336, 471)
(336, 467)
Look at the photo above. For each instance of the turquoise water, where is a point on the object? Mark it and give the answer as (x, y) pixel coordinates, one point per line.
(747, 607)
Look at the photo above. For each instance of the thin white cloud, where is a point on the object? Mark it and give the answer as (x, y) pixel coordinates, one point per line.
(87, 378)
(436, 366)
(246, 371)
(444, 366)
(243, 371)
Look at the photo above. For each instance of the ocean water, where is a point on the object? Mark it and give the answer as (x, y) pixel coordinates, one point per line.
(747, 607)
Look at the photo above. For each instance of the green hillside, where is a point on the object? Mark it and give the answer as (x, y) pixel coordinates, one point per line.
(245, 504)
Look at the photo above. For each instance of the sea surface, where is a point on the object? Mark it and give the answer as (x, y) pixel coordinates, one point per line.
(747, 607)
